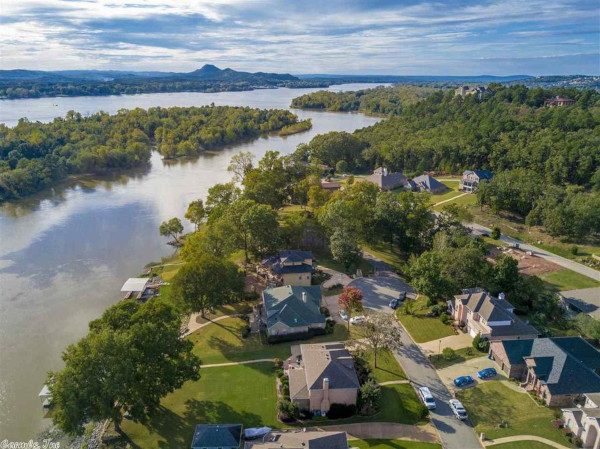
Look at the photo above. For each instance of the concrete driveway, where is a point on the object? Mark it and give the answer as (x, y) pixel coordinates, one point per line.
(378, 291)
(331, 302)
(453, 341)
(468, 368)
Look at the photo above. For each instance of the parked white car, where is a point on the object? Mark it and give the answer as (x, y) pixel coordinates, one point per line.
(457, 408)
(344, 315)
(360, 319)
(426, 397)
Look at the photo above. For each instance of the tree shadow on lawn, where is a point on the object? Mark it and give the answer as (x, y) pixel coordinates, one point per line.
(179, 431)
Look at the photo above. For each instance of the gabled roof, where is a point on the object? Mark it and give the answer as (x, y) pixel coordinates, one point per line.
(565, 364)
(289, 306)
(493, 310)
(295, 255)
(427, 182)
(328, 361)
(217, 435)
(282, 263)
(387, 181)
(587, 300)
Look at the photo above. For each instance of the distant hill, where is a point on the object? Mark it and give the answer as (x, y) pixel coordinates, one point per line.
(408, 79)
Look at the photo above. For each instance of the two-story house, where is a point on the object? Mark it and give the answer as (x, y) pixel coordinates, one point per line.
(584, 421)
(472, 178)
(558, 102)
(559, 370)
(387, 180)
(320, 375)
(291, 267)
(492, 318)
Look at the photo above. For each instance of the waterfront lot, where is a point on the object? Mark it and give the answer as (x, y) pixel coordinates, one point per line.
(492, 402)
(231, 394)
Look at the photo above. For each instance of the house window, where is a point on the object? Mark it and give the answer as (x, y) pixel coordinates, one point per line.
(300, 277)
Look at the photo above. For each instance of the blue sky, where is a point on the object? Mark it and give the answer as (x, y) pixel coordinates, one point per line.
(536, 37)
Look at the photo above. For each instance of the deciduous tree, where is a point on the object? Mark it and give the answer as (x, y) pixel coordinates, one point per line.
(381, 331)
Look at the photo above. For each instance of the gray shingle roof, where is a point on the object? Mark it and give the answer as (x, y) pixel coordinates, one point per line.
(428, 183)
(587, 300)
(331, 361)
(286, 305)
(217, 435)
(565, 364)
(387, 182)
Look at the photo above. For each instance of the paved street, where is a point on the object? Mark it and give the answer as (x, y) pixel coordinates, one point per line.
(454, 434)
(566, 263)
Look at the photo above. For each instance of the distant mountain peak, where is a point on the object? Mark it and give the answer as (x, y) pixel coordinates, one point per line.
(207, 69)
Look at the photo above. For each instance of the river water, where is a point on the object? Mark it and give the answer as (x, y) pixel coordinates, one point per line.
(65, 252)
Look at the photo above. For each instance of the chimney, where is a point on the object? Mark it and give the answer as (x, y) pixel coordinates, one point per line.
(501, 296)
(325, 402)
(304, 297)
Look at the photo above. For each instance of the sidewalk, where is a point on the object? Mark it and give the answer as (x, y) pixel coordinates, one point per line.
(524, 438)
(336, 277)
(193, 325)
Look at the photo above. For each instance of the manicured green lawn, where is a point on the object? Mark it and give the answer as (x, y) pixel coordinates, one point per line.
(522, 445)
(490, 403)
(462, 355)
(382, 251)
(451, 184)
(328, 262)
(392, 444)
(465, 200)
(238, 308)
(234, 394)
(222, 342)
(421, 327)
(387, 366)
(568, 280)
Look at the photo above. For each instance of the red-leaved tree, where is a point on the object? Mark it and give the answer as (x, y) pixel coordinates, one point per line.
(351, 301)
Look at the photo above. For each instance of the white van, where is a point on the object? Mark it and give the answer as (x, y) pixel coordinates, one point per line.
(426, 397)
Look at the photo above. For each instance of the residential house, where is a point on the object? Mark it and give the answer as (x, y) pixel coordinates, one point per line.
(426, 183)
(584, 421)
(386, 180)
(467, 90)
(472, 178)
(320, 375)
(585, 300)
(493, 318)
(331, 185)
(300, 439)
(291, 267)
(559, 370)
(558, 102)
(293, 310)
(217, 436)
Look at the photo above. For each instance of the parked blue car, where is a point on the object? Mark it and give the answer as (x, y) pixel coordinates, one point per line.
(486, 373)
(463, 380)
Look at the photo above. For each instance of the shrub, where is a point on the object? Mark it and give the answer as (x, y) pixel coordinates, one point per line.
(437, 310)
(246, 318)
(449, 353)
(574, 250)
(246, 331)
(431, 302)
(444, 318)
(278, 363)
(578, 442)
(324, 311)
(496, 233)
(350, 180)
(370, 397)
(363, 372)
(329, 326)
(288, 411)
(423, 411)
(340, 411)
(285, 391)
(480, 344)
(279, 372)
(469, 351)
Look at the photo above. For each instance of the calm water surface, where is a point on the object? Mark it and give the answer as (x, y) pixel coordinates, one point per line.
(65, 253)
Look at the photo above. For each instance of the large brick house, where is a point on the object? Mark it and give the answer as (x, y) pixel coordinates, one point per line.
(320, 375)
(493, 318)
(386, 180)
(559, 370)
(293, 310)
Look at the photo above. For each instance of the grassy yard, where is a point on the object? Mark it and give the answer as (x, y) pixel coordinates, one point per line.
(462, 355)
(327, 261)
(233, 394)
(392, 444)
(421, 327)
(222, 342)
(382, 251)
(387, 369)
(238, 308)
(568, 280)
(490, 403)
(465, 200)
(522, 445)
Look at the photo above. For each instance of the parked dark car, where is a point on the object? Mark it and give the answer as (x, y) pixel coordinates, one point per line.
(486, 373)
(463, 381)
(402, 296)
(393, 303)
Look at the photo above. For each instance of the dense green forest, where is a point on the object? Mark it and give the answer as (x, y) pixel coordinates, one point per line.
(552, 154)
(36, 155)
(380, 100)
